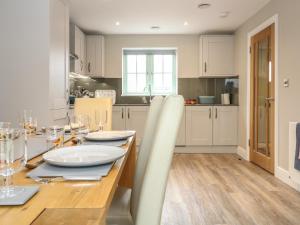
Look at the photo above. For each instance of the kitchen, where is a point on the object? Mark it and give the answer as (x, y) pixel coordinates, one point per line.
(203, 94)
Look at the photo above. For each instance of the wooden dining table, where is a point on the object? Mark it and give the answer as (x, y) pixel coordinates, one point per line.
(71, 202)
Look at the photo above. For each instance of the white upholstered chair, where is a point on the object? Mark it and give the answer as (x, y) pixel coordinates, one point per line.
(125, 198)
(149, 202)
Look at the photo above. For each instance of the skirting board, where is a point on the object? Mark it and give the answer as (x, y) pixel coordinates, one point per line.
(285, 177)
(205, 149)
(242, 153)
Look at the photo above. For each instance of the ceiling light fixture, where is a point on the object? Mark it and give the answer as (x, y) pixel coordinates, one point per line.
(204, 5)
(117, 23)
(185, 23)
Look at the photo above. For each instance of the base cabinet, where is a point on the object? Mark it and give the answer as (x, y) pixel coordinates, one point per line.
(211, 125)
(130, 118)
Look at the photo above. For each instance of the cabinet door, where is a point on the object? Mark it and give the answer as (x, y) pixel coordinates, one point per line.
(181, 139)
(225, 125)
(82, 53)
(59, 55)
(94, 55)
(77, 48)
(199, 125)
(118, 118)
(135, 120)
(217, 55)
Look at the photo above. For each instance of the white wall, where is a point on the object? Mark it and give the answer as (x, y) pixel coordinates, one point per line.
(24, 57)
(289, 67)
(188, 47)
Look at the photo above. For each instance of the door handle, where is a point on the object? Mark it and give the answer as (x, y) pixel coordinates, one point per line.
(209, 113)
(270, 99)
(106, 116)
(89, 67)
(205, 67)
(216, 115)
(128, 113)
(122, 113)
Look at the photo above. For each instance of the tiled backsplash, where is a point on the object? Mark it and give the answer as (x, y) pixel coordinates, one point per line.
(188, 87)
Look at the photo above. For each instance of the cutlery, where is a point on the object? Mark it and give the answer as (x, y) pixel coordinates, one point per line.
(46, 180)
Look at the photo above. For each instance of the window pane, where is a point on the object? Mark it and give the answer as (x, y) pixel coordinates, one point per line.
(158, 63)
(168, 83)
(141, 83)
(131, 82)
(131, 64)
(168, 63)
(141, 64)
(157, 81)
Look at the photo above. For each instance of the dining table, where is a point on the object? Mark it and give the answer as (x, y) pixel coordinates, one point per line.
(71, 202)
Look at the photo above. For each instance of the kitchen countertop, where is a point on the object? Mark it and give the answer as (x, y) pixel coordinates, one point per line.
(137, 104)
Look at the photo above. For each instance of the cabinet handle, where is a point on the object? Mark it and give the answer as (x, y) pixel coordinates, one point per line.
(89, 67)
(205, 67)
(128, 115)
(216, 116)
(209, 113)
(106, 116)
(122, 113)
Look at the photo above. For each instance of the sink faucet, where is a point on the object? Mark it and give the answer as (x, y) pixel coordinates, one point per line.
(150, 94)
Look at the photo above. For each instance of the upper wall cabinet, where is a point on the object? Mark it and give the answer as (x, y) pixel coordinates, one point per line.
(78, 50)
(216, 55)
(95, 55)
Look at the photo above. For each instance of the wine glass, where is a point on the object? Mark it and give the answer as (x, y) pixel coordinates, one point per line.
(55, 137)
(13, 157)
(100, 119)
(80, 125)
(28, 122)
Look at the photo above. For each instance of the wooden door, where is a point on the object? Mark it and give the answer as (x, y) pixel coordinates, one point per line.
(136, 117)
(225, 125)
(218, 55)
(199, 125)
(262, 99)
(118, 118)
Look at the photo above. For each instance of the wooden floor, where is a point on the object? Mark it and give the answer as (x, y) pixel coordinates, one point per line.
(221, 189)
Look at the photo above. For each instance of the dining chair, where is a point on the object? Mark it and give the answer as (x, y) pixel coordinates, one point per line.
(152, 192)
(125, 198)
(96, 109)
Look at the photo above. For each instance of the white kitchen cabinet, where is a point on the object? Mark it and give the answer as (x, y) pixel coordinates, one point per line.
(216, 55)
(199, 125)
(95, 55)
(78, 49)
(136, 117)
(118, 118)
(225, 125)
(181, 137)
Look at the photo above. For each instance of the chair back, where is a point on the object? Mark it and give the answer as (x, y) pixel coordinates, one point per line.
(153, 188)
(144, 150)
(95, 108)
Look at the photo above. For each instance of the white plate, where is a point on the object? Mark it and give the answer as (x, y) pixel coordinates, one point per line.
(84, 155)
(109, 135)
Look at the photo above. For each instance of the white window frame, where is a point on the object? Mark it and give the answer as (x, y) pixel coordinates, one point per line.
(149, 72)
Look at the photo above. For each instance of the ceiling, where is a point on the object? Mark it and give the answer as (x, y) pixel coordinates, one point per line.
(137, 16)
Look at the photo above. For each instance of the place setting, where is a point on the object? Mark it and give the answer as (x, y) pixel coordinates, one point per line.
(54, 154)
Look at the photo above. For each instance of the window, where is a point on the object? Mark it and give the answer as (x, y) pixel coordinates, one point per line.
(146, 70)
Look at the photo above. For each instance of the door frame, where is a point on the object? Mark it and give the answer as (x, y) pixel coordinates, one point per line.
(264, 25)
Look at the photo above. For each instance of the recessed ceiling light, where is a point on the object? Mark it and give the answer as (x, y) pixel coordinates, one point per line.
(155, 28)
(204, 5)
(117, 23)
(224, 14)
(185, 23)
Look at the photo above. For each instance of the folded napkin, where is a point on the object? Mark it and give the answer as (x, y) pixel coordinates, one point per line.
(47, 170)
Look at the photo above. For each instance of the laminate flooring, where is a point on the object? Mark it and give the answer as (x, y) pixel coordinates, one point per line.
(212, 189)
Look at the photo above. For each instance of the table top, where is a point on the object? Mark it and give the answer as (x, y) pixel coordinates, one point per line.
(67, 196)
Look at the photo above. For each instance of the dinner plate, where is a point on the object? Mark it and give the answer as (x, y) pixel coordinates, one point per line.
(109, 135)
(84, 155)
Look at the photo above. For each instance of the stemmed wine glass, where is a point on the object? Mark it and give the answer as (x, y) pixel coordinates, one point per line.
(13, 157)
(80, 126)
(100, 119)
(28, 122)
